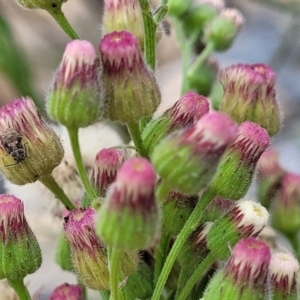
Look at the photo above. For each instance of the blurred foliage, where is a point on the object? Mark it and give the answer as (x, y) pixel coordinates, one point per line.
(13, 63)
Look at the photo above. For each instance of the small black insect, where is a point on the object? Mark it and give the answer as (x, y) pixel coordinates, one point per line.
(11, 141)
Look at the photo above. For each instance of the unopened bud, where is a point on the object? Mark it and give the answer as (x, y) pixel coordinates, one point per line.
(67, 291)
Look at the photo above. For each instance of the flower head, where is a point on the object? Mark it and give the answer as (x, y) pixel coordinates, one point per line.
(194, 150)
(249, 95)
(19, 250)
(129, 217)
(67, 291)
(74, 98)
(130, 89)
(29, 148)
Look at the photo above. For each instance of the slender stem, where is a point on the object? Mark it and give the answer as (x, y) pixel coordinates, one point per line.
(73, 134)
(134, 130)
(183, 277)
(187, 229)
(61, 20)
(196, 276)
(150, 34)
(20, 289)
(160, 254)
(161, 11)
(52, 185)
(209, 48)
(114, 274)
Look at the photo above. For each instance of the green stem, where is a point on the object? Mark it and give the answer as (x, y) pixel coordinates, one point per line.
(52, 185)
(187, 229)
(209, 48)
(104, 295)
(196, 276)
(135, 133)
(186, 48)
(114, 274)
(61, 20)
(293, 238)
(160, 254)
(20, 289)
(73, 134)
(150, 34)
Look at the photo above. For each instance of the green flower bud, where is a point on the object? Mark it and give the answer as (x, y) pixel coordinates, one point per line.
(129, 218)
(245, 219)
(130, 90)
(283, 270)
(249, 95)
(245, 276)
(223, 29)
(177, 8)
(194, 150)
(63, 253)
(29, 148)
(20, 253)
(74, 98)
(186, 111)
(237, 167)
(123, 15)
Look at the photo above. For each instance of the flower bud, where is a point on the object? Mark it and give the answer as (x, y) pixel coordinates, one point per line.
(245, 219)
(269, 177)
(285, 210)
(249, 95)
(123, 15)
(130, 89)
(48, 5)
(177, 8)
(29, 148)
(237, 166)
(201, 79)
(176, 211)
(67, 291)
(63, 253)
(195, 150)
(88, 254)
(245, 274)
(107, 163)
(129, 218)
(283, 271)
(20, 253)
(223, 29)
(74, 98)
(185, 112)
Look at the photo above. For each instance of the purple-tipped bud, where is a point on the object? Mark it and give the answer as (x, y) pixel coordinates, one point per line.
(29, 148)
(123, 15)
(67, 291)
(130, 89)
(245, 219)
(195, 150)
(245, 274)
(186, 111)
(249, 95)
(283, 271)
(48, 5)
(20, 253)
(223, 29)
(270, 174)
(237, 166)
(88, 254)
(107, 163)
(74, 98)
(129, 217)
(286, 206)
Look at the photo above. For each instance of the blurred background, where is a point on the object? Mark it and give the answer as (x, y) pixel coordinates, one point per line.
(32, 44)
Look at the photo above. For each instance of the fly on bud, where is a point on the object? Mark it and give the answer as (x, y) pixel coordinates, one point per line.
(29, 148)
